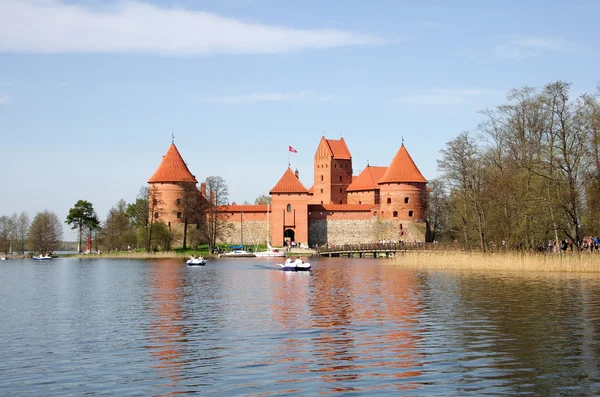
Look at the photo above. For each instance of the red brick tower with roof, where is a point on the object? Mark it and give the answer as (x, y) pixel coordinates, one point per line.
(333, 172)
(403, 189)
(169, 181)
(289, 210)
(364, 189)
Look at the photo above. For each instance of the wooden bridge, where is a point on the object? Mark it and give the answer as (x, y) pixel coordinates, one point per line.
(374, 250)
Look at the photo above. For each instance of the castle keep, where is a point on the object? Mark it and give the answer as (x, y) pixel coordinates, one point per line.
(382, 203)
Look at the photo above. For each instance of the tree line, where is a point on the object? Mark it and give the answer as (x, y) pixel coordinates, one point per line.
(527, 178)
(128, 226)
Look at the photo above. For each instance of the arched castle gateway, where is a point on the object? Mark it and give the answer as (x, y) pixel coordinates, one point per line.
(382, 203)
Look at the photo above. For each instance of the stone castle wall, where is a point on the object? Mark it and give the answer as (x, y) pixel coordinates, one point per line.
(255, 232)
(327, 231)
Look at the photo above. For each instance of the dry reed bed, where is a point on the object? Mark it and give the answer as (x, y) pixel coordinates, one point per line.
(509, 261)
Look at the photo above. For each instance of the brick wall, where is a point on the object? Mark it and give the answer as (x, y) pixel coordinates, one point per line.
(348, 231)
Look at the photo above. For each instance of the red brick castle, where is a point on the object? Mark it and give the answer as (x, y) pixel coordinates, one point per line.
(382, 203)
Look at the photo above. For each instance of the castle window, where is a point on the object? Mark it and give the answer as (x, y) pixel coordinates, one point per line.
(340, 177)
(400, 226)
(410, 213)
(289, 208)
(178, 201)
(395, 214)
(321, 178)
(321, 201)
(374, 213)
(340, 190)
(340, 201)
(360, 202)
(405, 200)
(179, 215)
(155, 201)
(156, 215)
(389, 200)
(335, 166)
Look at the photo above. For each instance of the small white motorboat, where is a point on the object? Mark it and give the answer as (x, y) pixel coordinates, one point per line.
(237, 254)
(295, 266)
(196, 262)
(42, 258)
(2, 258)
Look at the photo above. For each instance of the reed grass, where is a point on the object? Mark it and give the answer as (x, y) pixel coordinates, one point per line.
(583, 262)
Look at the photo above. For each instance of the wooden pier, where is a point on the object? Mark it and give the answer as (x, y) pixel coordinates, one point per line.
(372, 250)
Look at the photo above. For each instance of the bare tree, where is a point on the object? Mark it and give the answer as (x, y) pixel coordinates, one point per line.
(464, 173)
(7, 227)
(191, 205)
(263, 199)
(117, 232)
(216, 221)
(21, 232)
(437, 209)
(45, 233)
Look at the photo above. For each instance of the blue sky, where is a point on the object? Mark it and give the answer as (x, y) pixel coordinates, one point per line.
(91, 91)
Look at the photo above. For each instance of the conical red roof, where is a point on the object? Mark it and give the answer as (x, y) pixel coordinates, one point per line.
(367, 180)
(289, 183)
(172, 168)
(402, 169)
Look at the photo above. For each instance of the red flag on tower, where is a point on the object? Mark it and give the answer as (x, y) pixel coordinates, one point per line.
(293, 150)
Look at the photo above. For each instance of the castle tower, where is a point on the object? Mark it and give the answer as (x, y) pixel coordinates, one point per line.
(365, 188)
(403, 189)
(289, 210)
(169, 181)
(333, 172)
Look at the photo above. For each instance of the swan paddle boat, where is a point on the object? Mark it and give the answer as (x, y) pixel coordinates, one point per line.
(196, 261)
(294, 266)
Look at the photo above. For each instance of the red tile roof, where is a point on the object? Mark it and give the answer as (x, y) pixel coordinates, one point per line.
(402, 169)
(368, 179)
(172, 168)
(341, 207)
(311, 190)
(339, 149)
(289, 183)
(243, 208)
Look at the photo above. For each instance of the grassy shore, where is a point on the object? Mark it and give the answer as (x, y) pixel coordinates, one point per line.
(583, 262)
(143, 255)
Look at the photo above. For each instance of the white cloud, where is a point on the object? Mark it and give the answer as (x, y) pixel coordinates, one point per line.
(543, 44)
(256, 97)
(530, 47)
(4, 98)
(49, 26)
(440, 96)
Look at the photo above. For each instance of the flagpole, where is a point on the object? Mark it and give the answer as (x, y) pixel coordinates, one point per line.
(289, 158)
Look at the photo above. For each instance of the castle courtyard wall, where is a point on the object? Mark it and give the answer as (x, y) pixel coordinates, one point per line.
(361, 231)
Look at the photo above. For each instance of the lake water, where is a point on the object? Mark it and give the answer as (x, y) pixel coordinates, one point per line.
(72, 327)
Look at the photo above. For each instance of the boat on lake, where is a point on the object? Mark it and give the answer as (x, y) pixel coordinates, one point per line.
(237, 254)
(196, 262)
(270, 252)
(42, 258)
(297, 265)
